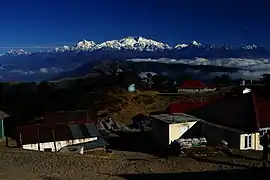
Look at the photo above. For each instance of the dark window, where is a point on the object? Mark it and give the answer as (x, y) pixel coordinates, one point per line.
(47, 149)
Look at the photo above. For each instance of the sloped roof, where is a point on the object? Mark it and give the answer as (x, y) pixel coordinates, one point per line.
(68, 116)
(3, 115)
(262, 111)
(245, 112)
(100, 142)
(140, 117)
(180, 107)
(33, 134)
(194, 84)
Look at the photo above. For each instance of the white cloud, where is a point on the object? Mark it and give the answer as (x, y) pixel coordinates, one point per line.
(43, 70)
(252, 68)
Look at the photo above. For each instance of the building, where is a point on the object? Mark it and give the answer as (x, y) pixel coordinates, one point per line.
(194, 86)
(240, 120)
(54, 137)
(139, 119)
(246, 114)
(166, 128)
(2, 128)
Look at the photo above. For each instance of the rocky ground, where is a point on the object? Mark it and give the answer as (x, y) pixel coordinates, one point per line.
(18, 164)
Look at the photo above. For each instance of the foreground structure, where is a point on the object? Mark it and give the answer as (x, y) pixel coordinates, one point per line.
(240, 120)
(54, 137)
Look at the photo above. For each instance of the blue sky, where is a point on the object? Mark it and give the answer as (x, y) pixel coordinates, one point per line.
(51, 23)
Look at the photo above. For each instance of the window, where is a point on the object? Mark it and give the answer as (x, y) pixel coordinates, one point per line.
(248, 142)
(47, 149)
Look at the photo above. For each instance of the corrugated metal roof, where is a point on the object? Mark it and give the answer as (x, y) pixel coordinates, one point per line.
(92, 130)
(44, 133)
(92, 144)
(76, 131)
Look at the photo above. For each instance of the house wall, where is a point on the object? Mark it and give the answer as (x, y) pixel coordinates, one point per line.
(160, 133)
(196, 90)
(214, 135)
(255, 142)
(164, 133)
(177, 130)
(59, 144)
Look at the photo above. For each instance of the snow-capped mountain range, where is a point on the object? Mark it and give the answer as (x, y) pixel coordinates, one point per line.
(135, 44)
(140, 44)
(24, 66)
(128, 43)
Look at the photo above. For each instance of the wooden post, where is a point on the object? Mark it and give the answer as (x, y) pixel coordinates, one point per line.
(38, 140)
(54, 140)
(20, 139)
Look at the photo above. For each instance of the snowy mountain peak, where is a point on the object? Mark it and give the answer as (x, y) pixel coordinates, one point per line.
(195, 43)
(17, 52)
(180, 46)
(133, 43)
(251, 46)
(85, 44)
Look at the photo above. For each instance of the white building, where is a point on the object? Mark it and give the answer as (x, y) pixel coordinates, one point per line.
(167, 128)
(53, 137)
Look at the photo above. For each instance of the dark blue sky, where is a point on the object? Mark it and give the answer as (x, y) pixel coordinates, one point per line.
(57, 22)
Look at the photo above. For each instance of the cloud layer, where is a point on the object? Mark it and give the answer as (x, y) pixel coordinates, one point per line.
(250, 68)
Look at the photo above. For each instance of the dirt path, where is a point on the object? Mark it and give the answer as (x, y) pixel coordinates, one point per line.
(17, 164)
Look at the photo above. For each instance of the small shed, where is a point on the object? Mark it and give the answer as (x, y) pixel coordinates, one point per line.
(141, 118)
(169, 127)
(53, 137)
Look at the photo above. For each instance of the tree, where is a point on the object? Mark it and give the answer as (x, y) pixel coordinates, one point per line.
(266, 79)
(184, 78)
(161, 82)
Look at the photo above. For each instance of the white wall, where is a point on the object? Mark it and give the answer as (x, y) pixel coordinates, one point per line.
(59, 144)
(164, 133)
(177, 130)
(197, 90)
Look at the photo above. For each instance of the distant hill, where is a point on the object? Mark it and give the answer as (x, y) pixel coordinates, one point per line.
(170, 70)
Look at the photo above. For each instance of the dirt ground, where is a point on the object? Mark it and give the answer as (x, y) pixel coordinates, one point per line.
(18, 164)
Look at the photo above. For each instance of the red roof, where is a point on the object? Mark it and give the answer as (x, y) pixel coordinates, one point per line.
(192, 84)
(247, 112)
(181, 107)
(261, 107)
